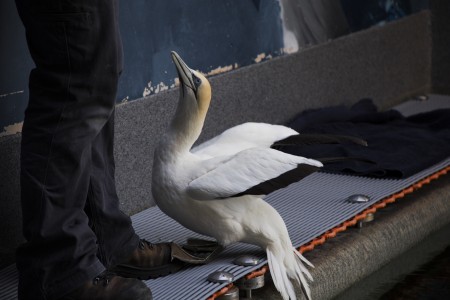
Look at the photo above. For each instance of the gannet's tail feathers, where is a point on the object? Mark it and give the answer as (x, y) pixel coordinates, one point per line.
(302, 258)
(288, 263)
(279, 275)
(301, 278)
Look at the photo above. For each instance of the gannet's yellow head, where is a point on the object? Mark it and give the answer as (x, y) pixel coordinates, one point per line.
(193, 84)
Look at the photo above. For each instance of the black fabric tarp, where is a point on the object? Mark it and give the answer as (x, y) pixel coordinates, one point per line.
(397, 146)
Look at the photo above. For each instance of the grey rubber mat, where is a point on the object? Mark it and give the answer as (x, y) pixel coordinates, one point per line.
(8, 283)
(310, 208)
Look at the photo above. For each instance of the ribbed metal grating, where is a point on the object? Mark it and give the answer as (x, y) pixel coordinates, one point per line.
(8, 283)
(310, 208)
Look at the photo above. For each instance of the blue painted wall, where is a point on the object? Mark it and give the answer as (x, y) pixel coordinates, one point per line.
(15, 63)
(207, 34)
(210, 35)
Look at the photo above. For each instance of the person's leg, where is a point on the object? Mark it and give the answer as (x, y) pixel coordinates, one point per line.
(75, 47)
(112, 227)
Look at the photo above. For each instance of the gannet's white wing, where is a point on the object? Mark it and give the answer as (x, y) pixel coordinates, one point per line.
(250, 135)
(252, 171)
(242, 137)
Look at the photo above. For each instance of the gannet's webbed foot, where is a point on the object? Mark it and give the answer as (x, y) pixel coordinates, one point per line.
(197, 251)
(200, 245)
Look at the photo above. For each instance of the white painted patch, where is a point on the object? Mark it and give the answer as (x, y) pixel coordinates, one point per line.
(289, 50)
(150, 89)
(259, 57)
(289, 39)
(221, 69)
(263, 57)
(12, 129)
(155, 89)
(147, 89)
(12, 93)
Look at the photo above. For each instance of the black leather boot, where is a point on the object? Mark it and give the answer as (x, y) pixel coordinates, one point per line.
(149, 261)
(109, 286)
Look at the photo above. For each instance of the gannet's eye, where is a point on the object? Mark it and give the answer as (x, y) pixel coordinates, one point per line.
(197, 80)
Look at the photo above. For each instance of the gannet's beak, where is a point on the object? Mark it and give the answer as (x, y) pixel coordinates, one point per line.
(184, 73)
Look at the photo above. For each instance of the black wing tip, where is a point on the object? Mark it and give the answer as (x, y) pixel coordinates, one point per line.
(359, 141)
(318, 139)
(282, 181)
(330, 160)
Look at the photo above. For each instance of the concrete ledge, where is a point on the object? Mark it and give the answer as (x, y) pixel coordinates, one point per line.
(357, 253)
(440, 75)
(10, 214)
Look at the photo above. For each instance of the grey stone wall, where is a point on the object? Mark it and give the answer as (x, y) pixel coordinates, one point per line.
(440, 21)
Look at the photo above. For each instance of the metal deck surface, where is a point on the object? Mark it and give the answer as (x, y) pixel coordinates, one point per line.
(309, 207)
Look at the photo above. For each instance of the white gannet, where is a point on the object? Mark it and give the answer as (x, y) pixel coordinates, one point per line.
(217, 188)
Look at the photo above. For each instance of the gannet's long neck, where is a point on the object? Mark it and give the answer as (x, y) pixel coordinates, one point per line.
(186, 125)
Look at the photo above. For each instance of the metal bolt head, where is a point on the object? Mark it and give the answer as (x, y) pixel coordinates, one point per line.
(422, 97)
(246, 260)
(251, 284)
(231, 294)
(221, 277)
(369, 218)
(358, 198)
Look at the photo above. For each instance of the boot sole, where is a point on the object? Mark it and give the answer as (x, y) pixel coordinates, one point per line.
(146, 273)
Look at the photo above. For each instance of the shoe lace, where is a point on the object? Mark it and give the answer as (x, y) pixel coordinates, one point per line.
(104, 277)
(143, 243)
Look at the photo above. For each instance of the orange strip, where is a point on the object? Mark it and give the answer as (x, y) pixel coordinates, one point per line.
(221, 292)
(372, 209)
(351, 222)
(257, 273)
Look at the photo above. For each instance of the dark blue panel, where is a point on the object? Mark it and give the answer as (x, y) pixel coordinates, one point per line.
(363, 14)
(207, 34)
(15, 65)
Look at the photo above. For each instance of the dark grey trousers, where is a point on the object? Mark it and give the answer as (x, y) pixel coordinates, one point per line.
(72, 223)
